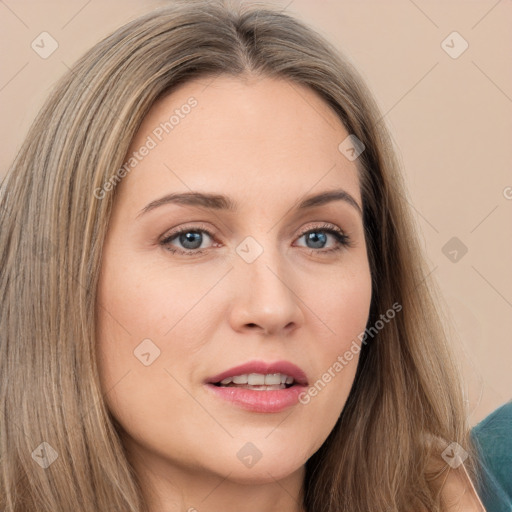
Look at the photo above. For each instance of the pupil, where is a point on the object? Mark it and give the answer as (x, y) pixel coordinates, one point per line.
(315, 237)
(191, 237)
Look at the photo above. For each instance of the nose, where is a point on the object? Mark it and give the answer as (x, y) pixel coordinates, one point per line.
(266, 298)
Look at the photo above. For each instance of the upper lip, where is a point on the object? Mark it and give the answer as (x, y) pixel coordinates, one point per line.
(283, 367)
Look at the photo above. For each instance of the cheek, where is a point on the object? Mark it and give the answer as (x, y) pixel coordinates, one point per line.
(149, 325)
(343, 306)
(136, 359)
(147, 302)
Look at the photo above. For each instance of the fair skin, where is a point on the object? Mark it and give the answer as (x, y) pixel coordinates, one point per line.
(266, 145)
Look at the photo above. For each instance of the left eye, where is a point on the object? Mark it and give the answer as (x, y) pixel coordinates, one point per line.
(319, 237)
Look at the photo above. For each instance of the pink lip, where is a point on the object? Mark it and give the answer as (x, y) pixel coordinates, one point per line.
(260, 400)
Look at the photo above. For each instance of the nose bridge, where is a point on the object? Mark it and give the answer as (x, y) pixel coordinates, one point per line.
(269, 269)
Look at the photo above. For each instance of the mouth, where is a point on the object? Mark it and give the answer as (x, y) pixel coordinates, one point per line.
(258, 381)
(259, 387)
(259, 374)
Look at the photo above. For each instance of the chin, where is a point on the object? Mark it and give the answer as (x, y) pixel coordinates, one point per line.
(262, 473)
(260, 462)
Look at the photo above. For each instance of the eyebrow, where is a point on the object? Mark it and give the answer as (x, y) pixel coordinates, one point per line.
(222, 202)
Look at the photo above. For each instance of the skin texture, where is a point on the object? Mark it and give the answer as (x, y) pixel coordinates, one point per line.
(266, 144)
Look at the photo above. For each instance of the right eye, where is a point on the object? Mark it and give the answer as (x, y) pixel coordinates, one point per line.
(190, 238)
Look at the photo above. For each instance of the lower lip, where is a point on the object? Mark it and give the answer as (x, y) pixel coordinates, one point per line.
(259, 401)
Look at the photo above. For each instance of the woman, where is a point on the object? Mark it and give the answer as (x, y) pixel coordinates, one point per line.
(213, 294)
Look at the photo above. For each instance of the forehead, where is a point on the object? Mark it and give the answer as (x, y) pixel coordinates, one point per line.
(245, 136)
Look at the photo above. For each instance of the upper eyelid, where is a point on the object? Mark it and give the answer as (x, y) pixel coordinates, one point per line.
(195, 227)
(324, 226)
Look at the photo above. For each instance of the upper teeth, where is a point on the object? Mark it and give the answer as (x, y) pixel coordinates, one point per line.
(258, 379)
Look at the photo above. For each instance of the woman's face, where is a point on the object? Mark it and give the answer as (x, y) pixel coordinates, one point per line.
(259, 275)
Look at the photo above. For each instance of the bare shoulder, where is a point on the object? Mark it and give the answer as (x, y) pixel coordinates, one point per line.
(455, 487)
(458, 492)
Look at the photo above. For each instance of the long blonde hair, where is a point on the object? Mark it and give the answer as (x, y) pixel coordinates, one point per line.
(406, 394)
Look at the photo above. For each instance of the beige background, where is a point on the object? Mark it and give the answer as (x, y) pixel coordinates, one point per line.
(450, 117)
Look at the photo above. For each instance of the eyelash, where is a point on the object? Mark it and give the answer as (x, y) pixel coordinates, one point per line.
(342, 240)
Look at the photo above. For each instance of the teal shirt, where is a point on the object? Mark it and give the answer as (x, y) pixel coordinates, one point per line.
(493, 438)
